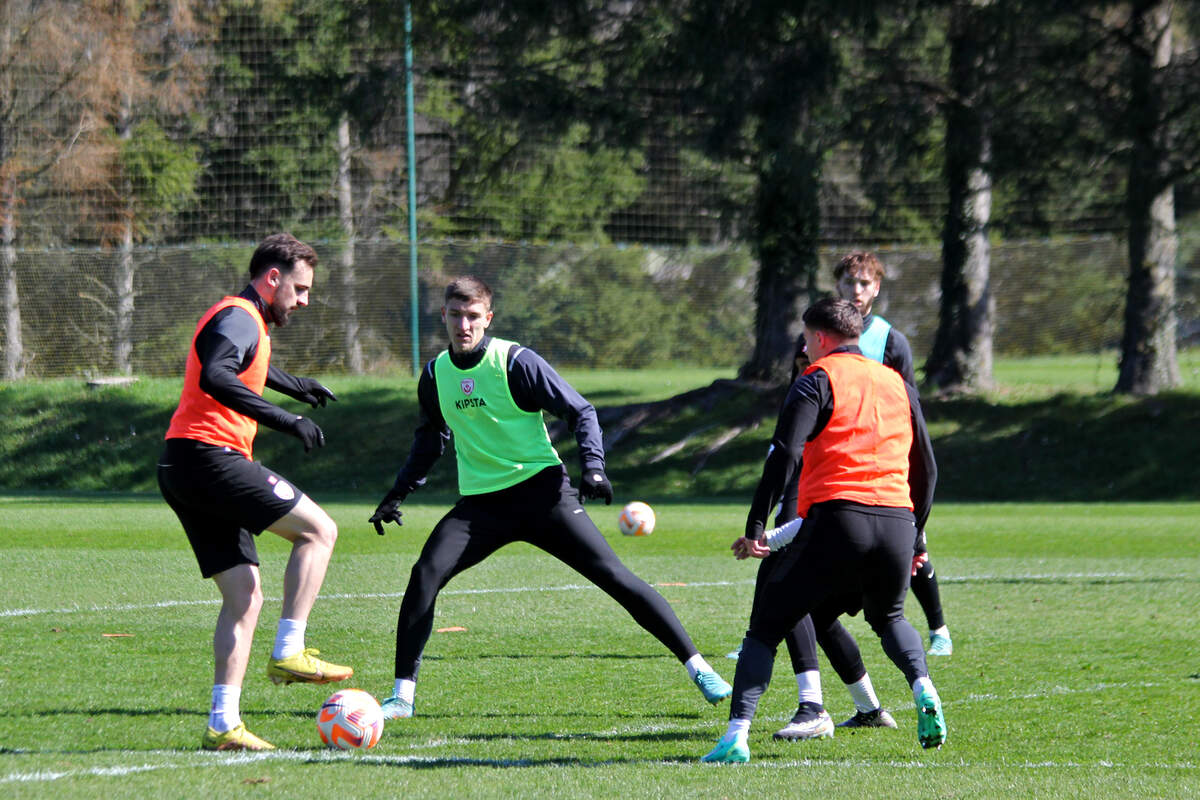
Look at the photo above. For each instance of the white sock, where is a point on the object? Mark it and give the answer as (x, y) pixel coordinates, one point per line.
(737, 726)
(809, 684)
(697, 664)
(863, 694)
(942, 631)
(225, 714)
(289, 637)
(922, 685)
(405, 689)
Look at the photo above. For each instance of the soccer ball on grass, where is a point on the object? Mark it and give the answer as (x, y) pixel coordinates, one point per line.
(350, 719)
(637, 519)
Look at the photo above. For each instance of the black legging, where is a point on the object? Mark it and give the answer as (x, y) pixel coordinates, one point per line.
(823, 627)
(801, 640)
(545, 512)
(842, 545)
(838, 643)
(925, 589)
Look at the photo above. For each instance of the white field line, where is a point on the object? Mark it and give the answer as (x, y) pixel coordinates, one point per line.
(26, 612)
(21, 612)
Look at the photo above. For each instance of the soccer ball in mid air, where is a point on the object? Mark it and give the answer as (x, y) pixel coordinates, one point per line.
(637, 519)
(350, 719)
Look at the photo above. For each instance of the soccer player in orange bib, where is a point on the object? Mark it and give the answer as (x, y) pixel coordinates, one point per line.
(224, 498)
(865, 491)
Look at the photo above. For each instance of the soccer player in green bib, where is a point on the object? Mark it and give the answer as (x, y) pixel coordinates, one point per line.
(490, 393)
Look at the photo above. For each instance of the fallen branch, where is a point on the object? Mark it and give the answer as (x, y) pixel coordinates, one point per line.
(722, 440)
(618, 422)
(682, 443)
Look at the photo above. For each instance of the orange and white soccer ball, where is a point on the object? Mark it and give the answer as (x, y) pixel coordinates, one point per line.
(637, 519)
(350, 719)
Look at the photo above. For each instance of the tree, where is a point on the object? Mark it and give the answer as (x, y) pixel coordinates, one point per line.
(132, 176)
(527, 99)
(1148, 362)
(1133, 82)
(337, 70)
(761, 80)
(49, 52)
(961, 358)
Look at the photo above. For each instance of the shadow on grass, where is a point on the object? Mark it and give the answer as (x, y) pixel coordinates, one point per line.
(110, 712)
(1083, 448)
(305, 711)
(320, 756)
(555, 656)
(1065, 448)
(1081, 580)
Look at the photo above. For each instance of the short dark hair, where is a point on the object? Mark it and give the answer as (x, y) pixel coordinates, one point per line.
(859, 260)
(469, 289)
(280, 250)
(835, 315)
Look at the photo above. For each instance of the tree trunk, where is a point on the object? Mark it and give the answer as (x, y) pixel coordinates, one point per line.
(788, 222)
(1148, 363)
(123, 288)
(123, 279)
(353, 347)
(961, 357)
(14, 352)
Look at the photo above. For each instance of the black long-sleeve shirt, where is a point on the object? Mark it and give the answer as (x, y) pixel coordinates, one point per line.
(535, 386)
(805, 413)
(897, 352)
(226, 346)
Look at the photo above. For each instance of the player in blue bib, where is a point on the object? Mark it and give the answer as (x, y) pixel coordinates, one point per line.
(859, 278)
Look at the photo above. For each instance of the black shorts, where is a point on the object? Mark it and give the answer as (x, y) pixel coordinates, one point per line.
(223, 500)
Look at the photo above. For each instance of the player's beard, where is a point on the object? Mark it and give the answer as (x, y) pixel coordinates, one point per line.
(279, 313)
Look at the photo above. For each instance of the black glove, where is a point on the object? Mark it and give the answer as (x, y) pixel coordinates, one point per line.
(307, 431)
(388, 510)
(595, 486)
(313, 392)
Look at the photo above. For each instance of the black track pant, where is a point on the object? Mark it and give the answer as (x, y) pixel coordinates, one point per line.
(545, 512)
(801, 640)
(843, 545)
(824, 627)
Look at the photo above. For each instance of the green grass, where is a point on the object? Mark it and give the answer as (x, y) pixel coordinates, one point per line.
(1076, 665)
(1040, 376)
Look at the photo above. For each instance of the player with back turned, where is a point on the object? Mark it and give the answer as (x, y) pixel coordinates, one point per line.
(858, 276)
(490, 393)
(224, 498)
(865, 489)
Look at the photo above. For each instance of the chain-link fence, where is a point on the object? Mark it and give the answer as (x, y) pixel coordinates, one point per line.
(601, 306)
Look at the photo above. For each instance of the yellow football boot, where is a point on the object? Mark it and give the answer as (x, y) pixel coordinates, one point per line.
(235, 739)
(305, 667)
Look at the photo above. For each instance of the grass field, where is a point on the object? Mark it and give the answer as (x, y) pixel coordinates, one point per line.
(1076, 670)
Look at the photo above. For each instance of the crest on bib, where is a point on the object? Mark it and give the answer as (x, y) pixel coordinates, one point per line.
(467, 385)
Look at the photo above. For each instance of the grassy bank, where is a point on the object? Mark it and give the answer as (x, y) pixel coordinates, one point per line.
(1050, 431)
